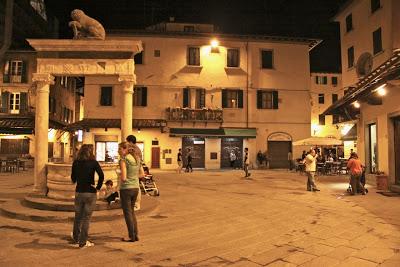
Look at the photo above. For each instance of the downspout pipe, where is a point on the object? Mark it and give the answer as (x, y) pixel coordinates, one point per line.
(247, 84)
(8, 26)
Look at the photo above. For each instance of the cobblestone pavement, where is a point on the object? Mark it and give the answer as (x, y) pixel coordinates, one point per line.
(218, 218)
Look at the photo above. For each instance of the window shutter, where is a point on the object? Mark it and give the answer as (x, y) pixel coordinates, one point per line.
(4, 101)
(240, 98)
(6, 72)
(23, 104)
(259, 99)
(185, 97)
(224, 99)
(275, 99)
(144, 96)
(24, 75)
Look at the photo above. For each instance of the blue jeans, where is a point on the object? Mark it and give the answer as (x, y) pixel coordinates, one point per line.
(128, 199)
(84, 206)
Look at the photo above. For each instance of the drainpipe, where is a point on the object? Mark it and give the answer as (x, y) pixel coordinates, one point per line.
(247, 84)
(8, 23)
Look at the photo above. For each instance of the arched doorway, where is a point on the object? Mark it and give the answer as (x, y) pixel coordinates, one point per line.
(279, 144)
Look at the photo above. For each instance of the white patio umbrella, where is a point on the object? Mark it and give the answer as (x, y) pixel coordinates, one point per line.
(318, 141)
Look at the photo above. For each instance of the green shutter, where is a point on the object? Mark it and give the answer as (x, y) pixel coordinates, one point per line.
(240, 98)
(6, 71)
(4, 102)
(24, 78)
(24, 102)
(224, 99)
(185, 97)
(259, 99)
(275, 99)
(144, 96)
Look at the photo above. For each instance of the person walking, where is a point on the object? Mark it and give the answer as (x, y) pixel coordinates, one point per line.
(131, 169)
(179, 160)
(83, 169)
(232, 159)
(355, 168)
(290, 160)
(131, 139)
(246, 162)
(311, 166)
(189, 159)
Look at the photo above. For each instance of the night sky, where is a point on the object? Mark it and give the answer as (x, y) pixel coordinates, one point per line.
(299, 18)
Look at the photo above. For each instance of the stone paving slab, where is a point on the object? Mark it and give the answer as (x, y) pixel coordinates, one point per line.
(219, 219)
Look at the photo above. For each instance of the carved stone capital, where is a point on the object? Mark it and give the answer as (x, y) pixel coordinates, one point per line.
(128, 81)
(43, 78)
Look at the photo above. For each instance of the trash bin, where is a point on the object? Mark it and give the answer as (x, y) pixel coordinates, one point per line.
(382, 182)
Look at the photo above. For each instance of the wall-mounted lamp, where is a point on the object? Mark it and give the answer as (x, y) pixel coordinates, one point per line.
(138, 130)
(214, 46)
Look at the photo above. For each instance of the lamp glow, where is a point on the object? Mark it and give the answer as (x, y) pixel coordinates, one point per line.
(214, 43)
(381, 90)
(356, 104)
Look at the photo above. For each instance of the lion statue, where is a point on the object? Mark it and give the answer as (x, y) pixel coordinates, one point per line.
(85, 27)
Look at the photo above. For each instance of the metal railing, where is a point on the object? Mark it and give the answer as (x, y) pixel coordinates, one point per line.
(189, 114)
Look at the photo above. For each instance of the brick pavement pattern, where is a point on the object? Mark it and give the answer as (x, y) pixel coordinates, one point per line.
(218, 218)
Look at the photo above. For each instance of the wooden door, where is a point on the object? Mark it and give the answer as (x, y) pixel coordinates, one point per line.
(155, 157)
(197, 148)
(278, 154)
(397, 149)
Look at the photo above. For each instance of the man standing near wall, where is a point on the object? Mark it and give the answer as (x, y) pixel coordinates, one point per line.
(246, 162)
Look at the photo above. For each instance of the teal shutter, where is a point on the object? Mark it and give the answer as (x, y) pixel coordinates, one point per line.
(24, 75)
(275, 99)
(224, 99)
(6, 72)
(259, 99)
(4, 102)
(240, 98)
(144, 96)
(185, 97)
(24, 102)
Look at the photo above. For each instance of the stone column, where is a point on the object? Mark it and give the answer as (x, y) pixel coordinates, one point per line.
(128, 81)
(43, 82)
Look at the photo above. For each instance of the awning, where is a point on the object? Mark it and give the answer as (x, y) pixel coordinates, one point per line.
(389, 70)
(351, 134)
(114, 123)
(220, 132)
(17, 124)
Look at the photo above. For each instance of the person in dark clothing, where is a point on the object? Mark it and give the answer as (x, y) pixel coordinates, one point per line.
(83, 169)
(189, 161)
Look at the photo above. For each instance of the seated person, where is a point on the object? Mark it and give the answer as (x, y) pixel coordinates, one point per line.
(109, 194)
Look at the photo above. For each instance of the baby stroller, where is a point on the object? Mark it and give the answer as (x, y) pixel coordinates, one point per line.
(362, 180)
(147, 184)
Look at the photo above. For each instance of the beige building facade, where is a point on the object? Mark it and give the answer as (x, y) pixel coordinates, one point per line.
(370, 43)
(245, 91)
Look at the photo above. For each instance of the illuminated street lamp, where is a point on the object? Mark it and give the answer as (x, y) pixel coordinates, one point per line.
(214, 46)
(356, 104)
(381, 90)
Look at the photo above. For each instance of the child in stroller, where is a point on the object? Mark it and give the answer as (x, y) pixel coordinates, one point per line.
(147, 183)
(362, 180)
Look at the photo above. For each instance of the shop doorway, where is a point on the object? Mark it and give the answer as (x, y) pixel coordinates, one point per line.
(228, 145)
(197, 148)
(373, 152)
(397, 149)
(278, 154)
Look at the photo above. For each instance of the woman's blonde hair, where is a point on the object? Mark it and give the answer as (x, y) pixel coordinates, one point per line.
(131, 149)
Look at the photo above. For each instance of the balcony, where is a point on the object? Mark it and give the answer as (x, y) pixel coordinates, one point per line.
(194, 115)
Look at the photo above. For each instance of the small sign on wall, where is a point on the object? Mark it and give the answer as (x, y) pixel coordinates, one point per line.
(213, 155)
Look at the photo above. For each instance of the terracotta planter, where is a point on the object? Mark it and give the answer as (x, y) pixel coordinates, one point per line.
(382, 182)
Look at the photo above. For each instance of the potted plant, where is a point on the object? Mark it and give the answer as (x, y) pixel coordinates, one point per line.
(381, 180)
